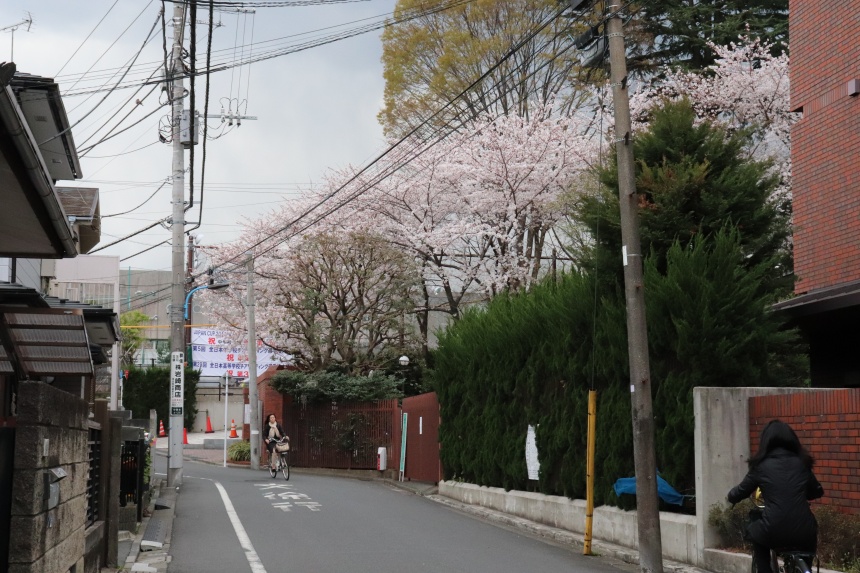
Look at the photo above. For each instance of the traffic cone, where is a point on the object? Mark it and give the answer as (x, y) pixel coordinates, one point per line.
(184, 437)
(233, 433)
(209, 429)
(161, 432)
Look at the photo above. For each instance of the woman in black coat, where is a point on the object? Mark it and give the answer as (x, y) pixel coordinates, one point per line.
(782, 468)
(272, 432)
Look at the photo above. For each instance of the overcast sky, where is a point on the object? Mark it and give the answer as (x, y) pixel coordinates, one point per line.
(316, 109)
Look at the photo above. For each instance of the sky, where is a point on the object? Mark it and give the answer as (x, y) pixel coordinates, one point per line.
(316, 109)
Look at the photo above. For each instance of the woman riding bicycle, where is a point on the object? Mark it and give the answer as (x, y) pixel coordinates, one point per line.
(272, 433)
(782, 468)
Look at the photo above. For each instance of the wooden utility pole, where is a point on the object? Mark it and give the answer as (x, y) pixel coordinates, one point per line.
(644, 458)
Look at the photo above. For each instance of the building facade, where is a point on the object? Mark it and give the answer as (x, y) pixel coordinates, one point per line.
(825, 85)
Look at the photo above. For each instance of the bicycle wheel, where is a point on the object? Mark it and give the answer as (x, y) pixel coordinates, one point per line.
(800, 566)
(285, 465)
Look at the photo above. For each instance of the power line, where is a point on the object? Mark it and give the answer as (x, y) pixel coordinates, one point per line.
(87, 38)
(394, 146)
(275, 53)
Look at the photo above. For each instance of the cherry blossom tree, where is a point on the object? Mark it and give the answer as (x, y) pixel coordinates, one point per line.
(326, 298)
(746, 88)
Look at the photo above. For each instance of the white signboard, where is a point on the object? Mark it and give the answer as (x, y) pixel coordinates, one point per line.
(532, 463)
(213, 354)
(177, 382)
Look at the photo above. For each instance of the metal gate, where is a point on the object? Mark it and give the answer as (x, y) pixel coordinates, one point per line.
(422, 438)
(341, 436)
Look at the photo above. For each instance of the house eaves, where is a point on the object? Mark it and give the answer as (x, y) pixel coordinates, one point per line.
(32, 222)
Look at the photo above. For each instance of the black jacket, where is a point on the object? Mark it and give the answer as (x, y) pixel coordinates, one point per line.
(786, 484)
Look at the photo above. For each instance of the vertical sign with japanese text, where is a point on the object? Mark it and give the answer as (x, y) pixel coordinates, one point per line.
(177, 382)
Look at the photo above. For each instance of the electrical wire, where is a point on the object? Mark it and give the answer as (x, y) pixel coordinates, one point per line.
(160, 187)
(107, 137)
(205, 114)
(145, 250)
(388, 151)
(87, 38)
(123, 153)
(275, 53)
(113, 43)
(138, 232)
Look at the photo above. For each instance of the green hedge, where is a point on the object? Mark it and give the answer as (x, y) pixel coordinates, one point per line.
(530, 359)
(149, 388)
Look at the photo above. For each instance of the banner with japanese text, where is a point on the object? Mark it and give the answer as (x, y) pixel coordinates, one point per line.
(213, 354)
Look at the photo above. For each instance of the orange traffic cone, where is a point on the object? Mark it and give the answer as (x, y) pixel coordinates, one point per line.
(184, 437)
(233, 433)
(161, 433)
(209, 429)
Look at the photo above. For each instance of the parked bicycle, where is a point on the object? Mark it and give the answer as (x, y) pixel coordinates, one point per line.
(282, 458)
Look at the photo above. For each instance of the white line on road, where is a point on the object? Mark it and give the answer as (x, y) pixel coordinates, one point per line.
(244, 540)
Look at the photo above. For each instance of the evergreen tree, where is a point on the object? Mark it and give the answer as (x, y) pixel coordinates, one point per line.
(692, 179)
(678, 31)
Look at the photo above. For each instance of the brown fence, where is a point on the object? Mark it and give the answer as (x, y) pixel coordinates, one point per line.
(343, 436)
(828, 424)
(422, 438)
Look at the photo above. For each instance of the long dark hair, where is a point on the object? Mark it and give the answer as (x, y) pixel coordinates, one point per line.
(269, 416)
(778, 434)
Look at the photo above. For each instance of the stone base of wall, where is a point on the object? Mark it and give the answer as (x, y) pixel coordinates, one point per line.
(128, 518)
(94, 547)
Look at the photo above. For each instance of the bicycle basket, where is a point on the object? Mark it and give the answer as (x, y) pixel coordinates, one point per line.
(282, 447)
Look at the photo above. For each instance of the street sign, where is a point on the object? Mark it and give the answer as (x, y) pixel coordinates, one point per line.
(177, 382)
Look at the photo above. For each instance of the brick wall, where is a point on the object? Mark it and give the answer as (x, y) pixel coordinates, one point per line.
(49, 541)
(828, 425)
(825, 59)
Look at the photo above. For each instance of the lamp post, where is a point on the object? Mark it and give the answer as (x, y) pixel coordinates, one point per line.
(177, 396)
(404, 362)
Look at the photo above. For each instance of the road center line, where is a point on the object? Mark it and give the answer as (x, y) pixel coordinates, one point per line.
(244, 540)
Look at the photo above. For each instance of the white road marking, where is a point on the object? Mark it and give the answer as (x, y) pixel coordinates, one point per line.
(245, 541)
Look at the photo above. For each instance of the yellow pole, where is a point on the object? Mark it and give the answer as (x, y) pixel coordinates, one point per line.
(589, 471)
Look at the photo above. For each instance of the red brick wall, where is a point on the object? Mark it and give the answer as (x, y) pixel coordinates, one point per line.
(828, 425)
(825, 57)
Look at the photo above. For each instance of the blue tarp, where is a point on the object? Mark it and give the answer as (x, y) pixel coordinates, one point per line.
(666, 492)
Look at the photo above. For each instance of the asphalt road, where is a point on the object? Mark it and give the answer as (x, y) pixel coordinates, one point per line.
(321, 524)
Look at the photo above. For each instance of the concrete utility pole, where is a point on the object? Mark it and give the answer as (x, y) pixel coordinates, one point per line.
(252, 367)
(177, 322)
(644, 459)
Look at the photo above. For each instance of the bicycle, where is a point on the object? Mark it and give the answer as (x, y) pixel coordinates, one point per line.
(282, 451)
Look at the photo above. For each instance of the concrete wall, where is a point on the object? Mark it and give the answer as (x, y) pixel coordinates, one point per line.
(723, 447)
(49, 541)
(209, 399)
(610, 524)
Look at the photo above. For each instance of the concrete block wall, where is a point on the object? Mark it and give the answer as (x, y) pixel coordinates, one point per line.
(825, 63)
(610, 524)
(828, 425)
(49, 541)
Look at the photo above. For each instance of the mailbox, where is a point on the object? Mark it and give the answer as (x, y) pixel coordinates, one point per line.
(52, 479)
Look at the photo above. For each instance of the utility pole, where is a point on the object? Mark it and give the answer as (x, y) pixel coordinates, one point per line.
(252, 367)
(644, 458)
(177, 321)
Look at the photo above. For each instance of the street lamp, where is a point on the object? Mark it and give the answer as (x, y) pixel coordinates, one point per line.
(177, 396)
(215, 286)
(404, 360)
